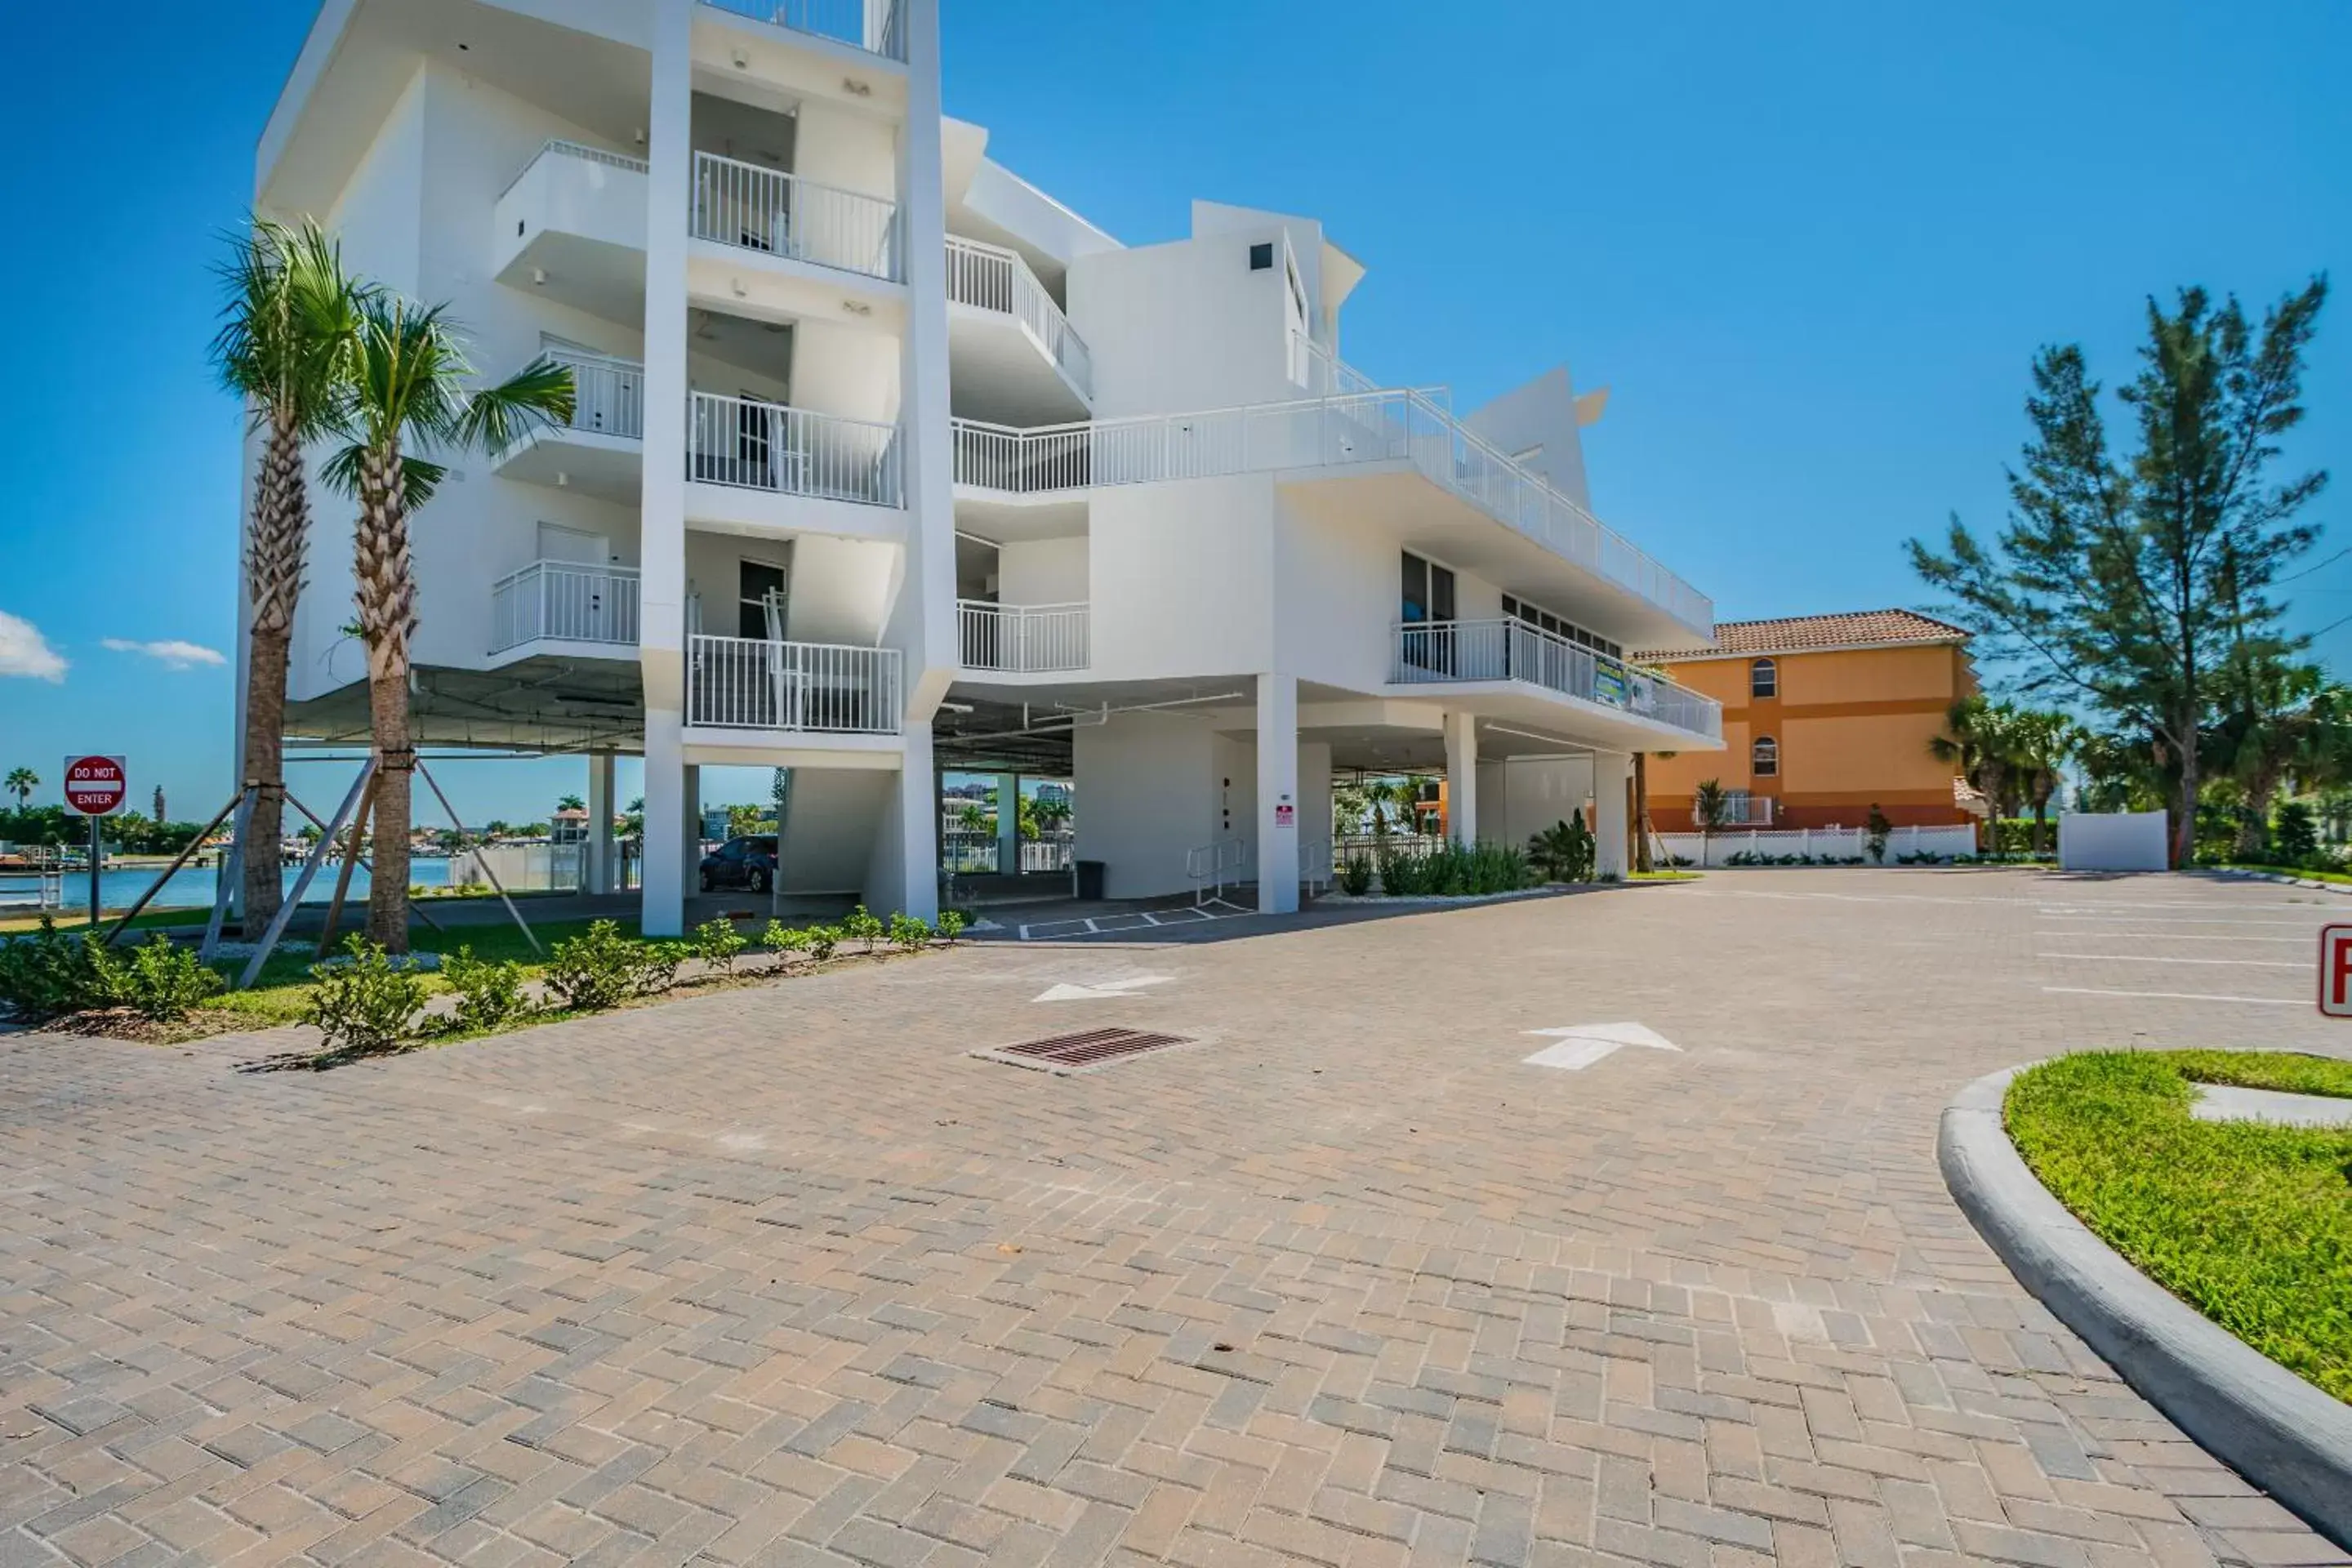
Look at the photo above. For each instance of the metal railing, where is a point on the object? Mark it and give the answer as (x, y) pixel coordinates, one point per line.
(753, 683)
(1741, 809)
(758, 208)
(608, 395)
(868, 25)
(557, 147)
(1213, 867)
(1513, 650)
(1393, 426)
(1324, 373)
(564, 600)
(1021, 639)
(992, 277)
(758, 446)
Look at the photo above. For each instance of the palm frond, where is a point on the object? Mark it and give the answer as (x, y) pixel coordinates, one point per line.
(496, 417)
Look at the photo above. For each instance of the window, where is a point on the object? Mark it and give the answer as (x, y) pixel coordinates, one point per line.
(1561, 626)
(760, 586)
(1764, 758)
(1763, 678)
(1262, 258)
(1428, 590)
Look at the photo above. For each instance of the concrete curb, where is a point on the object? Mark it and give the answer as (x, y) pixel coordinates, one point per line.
(2279, 1432)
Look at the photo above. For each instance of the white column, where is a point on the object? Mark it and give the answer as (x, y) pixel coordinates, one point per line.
(1611, 770)
(671, 788)
(599, 854)
(1008, 824)
(904, 871)
(1277, 795)
(664, 869)
(1462, 776)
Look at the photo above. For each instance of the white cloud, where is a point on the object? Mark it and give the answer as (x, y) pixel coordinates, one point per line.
(23, 651)
(172, 653)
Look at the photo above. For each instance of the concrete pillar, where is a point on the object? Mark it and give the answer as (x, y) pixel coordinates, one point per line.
(1462, 776)
(1611, 773)
(664, 869)
(1277, 795)
(597, 876)
(903, 873)
(1008, 824)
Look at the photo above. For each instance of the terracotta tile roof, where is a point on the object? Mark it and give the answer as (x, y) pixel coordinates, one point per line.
(1797, 633)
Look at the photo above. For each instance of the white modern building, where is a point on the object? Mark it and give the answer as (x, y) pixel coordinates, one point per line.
(886, 462)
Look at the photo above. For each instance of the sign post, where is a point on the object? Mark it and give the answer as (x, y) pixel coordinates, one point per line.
(2336, 971)
(96, 787)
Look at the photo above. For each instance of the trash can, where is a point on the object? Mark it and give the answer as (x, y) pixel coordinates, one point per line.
(1090, 878)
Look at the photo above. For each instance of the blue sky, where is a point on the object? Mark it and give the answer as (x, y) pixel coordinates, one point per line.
(1810, 250)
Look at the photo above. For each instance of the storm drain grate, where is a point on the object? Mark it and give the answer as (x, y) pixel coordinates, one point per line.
(1085, 1051)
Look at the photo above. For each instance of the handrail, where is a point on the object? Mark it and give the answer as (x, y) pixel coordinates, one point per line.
(992, 277)
(565, 601)
(1214, 865)
(1025, 639)
(1429, 652)
(1397, 425)
(608, 392)
(868, 25)
(755, 445)
(557, 146)
(754, 207)
(754, 683)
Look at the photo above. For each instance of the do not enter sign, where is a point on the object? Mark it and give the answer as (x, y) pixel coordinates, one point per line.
(96, 787)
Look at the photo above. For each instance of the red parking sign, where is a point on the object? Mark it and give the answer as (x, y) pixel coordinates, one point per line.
(96, 787)
(2336, 971)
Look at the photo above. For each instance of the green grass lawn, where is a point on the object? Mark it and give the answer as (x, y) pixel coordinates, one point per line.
(2291, 871)
(2250, 1225)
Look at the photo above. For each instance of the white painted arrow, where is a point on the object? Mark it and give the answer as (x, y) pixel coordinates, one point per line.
(1581, 1045)
(1102, 990)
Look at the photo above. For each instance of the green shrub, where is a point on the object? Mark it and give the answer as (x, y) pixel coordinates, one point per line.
(822, 940)
(163, 981)
(1401, 875)
(951, 924)
(1563, 852)
(909, 934)
(2295, 834)
(1356, 876)
(781, 938)
(594, 970)
(48, 973)
(717, 942)
(490, 995)
(368, 1005)
(656, 965)
(862, 925)
(1876, 830)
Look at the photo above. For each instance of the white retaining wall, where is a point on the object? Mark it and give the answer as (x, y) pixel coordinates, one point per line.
(2113, 841)
(1822, 843)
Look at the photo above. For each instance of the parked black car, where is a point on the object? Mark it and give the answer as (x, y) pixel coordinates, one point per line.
(741, 863)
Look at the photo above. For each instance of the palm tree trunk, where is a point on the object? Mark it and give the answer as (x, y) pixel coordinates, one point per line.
(386, 596)
(1641, 865)
(273, 569)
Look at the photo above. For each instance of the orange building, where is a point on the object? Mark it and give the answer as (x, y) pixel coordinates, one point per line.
(1823, 716)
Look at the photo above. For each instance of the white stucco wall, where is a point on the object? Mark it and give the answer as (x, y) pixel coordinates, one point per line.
(1042, 571)
(1183, 578)
(1182, 326)
(1146, 793)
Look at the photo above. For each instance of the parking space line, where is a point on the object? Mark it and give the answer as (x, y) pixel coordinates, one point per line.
(2182, 996)
(2168, 957)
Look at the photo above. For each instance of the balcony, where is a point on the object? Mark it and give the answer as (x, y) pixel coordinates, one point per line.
(752, 207)
(740, 443)
(599, 451)
(1740, 809)
(868, 25)
(1367, 433)
(571, 226)
(1021, 639)
(1465, 652)
(565, 602)
(1016, 356)
(751, 683)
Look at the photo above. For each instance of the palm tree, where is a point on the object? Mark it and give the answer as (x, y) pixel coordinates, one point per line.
(1711, 806)
(1981, 744)
(2289, 722)
(22, 782)
(571, 803)
(2042, 742)
(284, 347)
(407, 391)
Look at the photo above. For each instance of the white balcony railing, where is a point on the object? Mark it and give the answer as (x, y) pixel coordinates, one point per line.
(1740, 809)
(868, 25)
(758, 446)
(1395, 427)
(565, 601)
(1448, 651)
(758, 208)
(994, 278)
(750, 683)
(608, 395)
(1021, 639)
(557, 147)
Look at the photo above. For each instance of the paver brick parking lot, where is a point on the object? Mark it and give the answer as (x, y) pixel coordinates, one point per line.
(783, 1275)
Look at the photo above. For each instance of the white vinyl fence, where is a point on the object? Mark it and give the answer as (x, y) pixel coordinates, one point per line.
(2113, 841)
(1820, 843)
